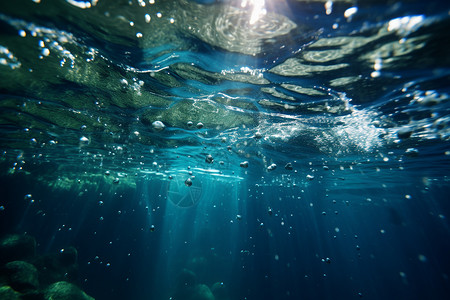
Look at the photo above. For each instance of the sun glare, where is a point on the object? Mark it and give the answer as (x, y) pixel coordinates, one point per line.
(258, 9)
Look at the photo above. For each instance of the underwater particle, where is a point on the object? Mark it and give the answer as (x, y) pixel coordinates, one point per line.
(277, 257)
(412, 152)
(189, 124)
(350, 12)
(271, 167)
(100, 203)
(28, 197)
(138, 35)
(326, 168)
(209, 159)
(2, 208)
(324, 213)
(404, 133)
(84, 139)
(152, 228)
(223, 140)
(257, 135)
(269, 211)
(116, 180)
(147, 18)
(123, 82)
(107, 173)
(22, 33)
(188, 182)
(326, 260)
(360, 295)
(200, 125)
(158, 126)
(358, 248)
(238, 217)
(170, 177)
(45, 52)
(83, 127)
(309, 177)
(422, 258)
(289, 166)
(261, 224)
(244, 164)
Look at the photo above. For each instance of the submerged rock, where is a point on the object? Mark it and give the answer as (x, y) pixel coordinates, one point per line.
(63, 290)
(201, 292)
(7, 293)
(17, 247)
(21, 276)
(58, 267)
(219, 291)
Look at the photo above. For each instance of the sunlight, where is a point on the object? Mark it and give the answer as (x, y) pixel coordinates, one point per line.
(258, 10)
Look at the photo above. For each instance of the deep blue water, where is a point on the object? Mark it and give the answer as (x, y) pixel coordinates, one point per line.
(342, 116)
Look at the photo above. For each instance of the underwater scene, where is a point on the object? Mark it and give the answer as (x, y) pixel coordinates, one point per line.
(224, 149)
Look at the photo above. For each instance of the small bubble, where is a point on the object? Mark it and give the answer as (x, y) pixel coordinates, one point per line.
(188, 182)
(45, 52)
(244, 164)
(271, 167)
(209, 159)
(2, 208)
(22, 33)
(147, 18)
(138, 35)
(158, 126)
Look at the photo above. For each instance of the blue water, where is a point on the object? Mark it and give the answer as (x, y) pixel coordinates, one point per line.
(304, 152)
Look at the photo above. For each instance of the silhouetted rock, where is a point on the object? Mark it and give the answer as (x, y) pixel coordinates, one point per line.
(219, 291)
(62, 266)
(21, 276)
(7, 293)
(63, 290)
(17, 247)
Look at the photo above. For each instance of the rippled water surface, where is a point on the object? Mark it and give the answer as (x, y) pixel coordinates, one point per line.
(253, 149)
